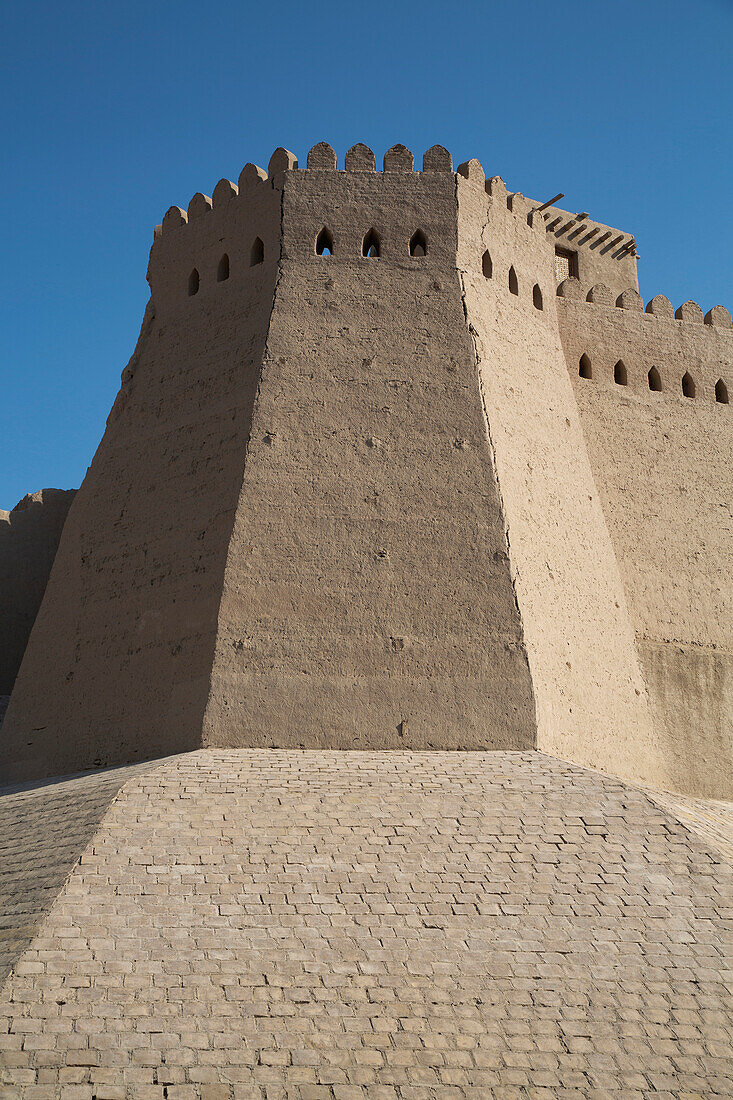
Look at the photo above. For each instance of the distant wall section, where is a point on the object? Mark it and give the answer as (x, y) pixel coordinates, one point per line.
(663, 465)
(29, 538)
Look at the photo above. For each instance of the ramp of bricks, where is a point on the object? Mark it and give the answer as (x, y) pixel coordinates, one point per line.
(337, 925)
(44, 828)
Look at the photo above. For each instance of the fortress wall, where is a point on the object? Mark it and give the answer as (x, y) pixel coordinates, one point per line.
(590, 692)
(118, 663)
(663, 466)
(367, 598)
(29, 537)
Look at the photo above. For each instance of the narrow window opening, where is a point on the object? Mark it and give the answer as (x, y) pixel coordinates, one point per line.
(222, 273)
(537, 297)
(486, 265)
(370, 245)
(584, 368)
(721, 392)
(688, 385)
(655, 380)
(513, 283)
(620, 376)
(418, 244)
(324, 243)
(257, 253)
(193, 283)
(566, 264)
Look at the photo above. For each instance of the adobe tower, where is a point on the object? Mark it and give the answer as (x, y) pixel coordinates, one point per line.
(374, 480)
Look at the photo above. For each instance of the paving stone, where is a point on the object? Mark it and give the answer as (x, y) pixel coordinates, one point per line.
(272, 923)
(44, 828)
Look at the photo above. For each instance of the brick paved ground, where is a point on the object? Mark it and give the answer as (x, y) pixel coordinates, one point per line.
(44, 828)
(708, 818)
(378, 925)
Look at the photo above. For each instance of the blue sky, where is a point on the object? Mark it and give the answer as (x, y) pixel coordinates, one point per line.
(112, 112)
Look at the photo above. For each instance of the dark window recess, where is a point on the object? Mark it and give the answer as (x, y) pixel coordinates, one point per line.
(566, 264)
(418, 244)
(370, 245)
(324, 243)
(620, 376)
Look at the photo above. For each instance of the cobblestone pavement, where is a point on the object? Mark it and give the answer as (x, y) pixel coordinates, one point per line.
(267, 924)
(710, 819)
(44, 828)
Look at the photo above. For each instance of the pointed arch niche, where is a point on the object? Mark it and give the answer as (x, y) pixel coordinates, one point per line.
(324, 242)
(688, 385)
(371, 245)
(418, 244)
(257, 252)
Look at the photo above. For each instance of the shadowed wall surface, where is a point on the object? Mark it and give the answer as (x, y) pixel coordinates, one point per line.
(29, 538)
(124, 640)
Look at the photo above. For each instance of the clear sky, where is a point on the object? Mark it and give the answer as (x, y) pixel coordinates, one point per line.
(114, 111)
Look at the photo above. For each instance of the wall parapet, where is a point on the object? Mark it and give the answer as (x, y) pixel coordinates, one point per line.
(321, 157)
(653, 351)
(659, 307)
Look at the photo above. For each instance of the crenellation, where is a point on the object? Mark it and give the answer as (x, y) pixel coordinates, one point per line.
(472, 170)
(437, 159)
(496, 188)
(399, 159)
(321, 156)
(600, 294)
(224, 192)
(520, 205)
(689, 311)
(660, 306)
(282, 160)
(199, 205)
(718, 317)
(571, 288)
(360, 158)
(174, 218)
(630, 299)
(250, 176)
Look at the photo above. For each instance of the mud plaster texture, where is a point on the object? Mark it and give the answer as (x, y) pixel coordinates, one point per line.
(371, 504)
(331, 925)
(29, 538)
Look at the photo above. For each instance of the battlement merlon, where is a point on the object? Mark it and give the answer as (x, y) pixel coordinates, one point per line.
(591, 251)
